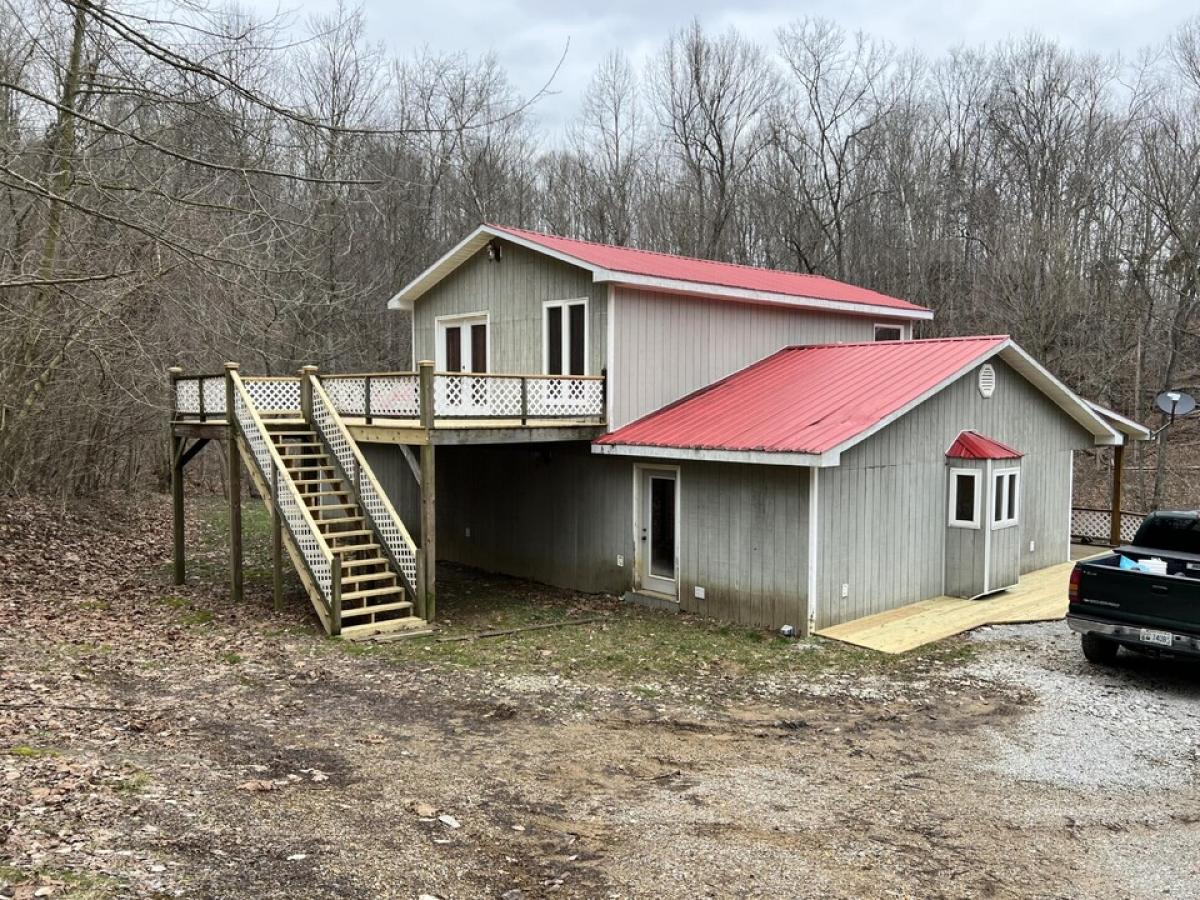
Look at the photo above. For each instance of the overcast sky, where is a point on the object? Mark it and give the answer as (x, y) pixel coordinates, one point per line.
(528, 36)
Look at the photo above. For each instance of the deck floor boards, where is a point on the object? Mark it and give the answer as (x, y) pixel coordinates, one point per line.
(1041, 596)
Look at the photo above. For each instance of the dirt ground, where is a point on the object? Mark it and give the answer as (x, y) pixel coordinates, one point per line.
(159, 741)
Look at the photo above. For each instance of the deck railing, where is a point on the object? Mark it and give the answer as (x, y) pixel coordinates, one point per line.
(1092, 525)
(398, 396)
(200, 397)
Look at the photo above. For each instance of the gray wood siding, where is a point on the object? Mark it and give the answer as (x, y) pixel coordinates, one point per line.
(512, 292)
(744, 539)
(883, 511)
(666, 346)
(558, 514)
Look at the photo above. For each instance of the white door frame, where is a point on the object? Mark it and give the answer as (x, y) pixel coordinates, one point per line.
(641, 562)
(464, 321)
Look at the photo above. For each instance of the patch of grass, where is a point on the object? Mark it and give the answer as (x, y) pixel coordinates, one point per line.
(26, 752)
(198, 617)
(78, 885)
(628, 643)
(176, 602)
(232, 658)
(134, 783)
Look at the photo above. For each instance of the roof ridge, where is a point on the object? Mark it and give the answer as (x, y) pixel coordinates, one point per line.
(663, 253)
(910, 341)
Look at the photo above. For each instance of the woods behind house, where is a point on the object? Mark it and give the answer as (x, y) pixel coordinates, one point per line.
(202, 186)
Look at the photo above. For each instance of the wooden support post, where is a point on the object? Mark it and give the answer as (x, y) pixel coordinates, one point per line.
(235, 488)
(425, 388)
(1118, 477)
(421, 584)
(177, 535)
(335, 611)
(306, 392)
(429, 530)
(276, 541)
(367, 400)
(524, 401)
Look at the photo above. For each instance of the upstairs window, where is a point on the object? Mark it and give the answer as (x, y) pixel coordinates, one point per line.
(964, 498)
(889, 333)
(565, 326)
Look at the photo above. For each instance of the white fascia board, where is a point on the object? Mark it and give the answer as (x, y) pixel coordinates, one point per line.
(1070, 402)
(1130, 428)
(703, 289)
(756, 457)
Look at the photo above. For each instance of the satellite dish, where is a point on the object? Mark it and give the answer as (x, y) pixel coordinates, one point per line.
(1175, 403)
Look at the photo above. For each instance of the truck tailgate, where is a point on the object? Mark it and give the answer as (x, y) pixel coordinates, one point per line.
(1139, 598)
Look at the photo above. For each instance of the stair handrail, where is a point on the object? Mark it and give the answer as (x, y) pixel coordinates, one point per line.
(371, 495)
(321, 568)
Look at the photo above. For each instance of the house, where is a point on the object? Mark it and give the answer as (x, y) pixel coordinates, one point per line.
(766, 447)
(778, 449)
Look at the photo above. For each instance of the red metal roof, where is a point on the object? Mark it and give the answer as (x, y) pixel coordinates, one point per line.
(806, 399)
(973, 445)
(702, 271)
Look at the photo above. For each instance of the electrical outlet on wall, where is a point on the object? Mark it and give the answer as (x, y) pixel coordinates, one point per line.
(699, 592)
(468, 531)
(1031, 546)
(620, 561)
(845, 591)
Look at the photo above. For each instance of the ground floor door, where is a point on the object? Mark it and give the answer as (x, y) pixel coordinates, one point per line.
(658, 530)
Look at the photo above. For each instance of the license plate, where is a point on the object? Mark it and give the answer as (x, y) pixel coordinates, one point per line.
(1150, 636)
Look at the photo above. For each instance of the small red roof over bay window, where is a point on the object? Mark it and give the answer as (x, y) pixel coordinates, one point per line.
(973, 445)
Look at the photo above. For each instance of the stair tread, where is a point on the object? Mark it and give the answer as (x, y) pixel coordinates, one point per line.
(357, 563)
(287, 456)
(357, 532)
(378, 608)
(369, 576)
(371, 592)
(354, 548)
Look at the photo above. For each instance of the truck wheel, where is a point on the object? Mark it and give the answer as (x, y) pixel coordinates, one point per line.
(1098, 650)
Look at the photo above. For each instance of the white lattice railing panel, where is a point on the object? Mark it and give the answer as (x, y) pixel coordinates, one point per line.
(477, 396)
(379, 511)
(304, 533)
(187, 396)
(214, 396)
(392, 396)
(556, 397)
(1093, 524)
(274, 394)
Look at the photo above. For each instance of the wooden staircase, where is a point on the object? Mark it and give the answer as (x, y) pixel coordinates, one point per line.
(374, 598)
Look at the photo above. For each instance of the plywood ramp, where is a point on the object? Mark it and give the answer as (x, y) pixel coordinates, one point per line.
(1041, 596)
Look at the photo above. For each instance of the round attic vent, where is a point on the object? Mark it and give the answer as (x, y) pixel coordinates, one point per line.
(987, 380)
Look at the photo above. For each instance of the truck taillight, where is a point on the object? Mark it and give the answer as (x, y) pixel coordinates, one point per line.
(1073, 587)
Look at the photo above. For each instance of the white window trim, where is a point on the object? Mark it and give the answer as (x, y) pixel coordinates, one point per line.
(963, 523)
(898, 326)
(566, 338)
(439, 343)
(998, 474)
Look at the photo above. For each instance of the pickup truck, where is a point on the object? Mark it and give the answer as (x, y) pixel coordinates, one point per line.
(1126, 599)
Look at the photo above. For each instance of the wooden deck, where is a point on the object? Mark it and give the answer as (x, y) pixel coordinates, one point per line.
(1041, 596)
